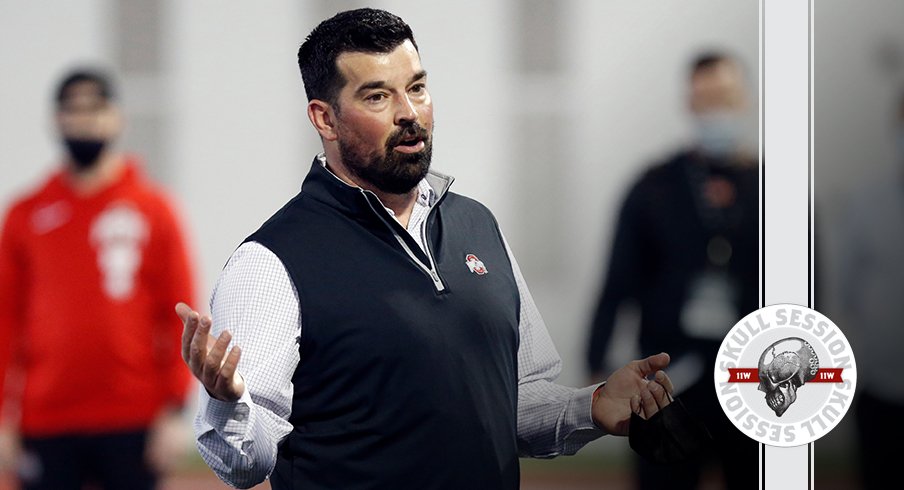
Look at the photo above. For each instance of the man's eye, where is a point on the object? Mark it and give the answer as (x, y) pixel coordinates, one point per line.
(375, 97)
(418, 88)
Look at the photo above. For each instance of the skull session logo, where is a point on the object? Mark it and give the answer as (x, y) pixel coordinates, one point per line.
(782, 373)
(785, 375)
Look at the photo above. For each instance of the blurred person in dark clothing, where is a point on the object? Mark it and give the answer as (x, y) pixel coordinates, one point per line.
(871, 276)
(685, 253)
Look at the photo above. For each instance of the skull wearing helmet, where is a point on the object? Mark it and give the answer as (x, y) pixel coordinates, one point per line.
(784, 367)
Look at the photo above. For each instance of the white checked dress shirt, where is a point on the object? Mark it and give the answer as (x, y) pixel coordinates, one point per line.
(256, 301)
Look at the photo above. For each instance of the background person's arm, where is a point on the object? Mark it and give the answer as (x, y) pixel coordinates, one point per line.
(13, 285)
(171, 278)
(621, 283)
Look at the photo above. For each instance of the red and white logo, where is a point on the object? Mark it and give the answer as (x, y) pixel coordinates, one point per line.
(120, 234)
(475, 265)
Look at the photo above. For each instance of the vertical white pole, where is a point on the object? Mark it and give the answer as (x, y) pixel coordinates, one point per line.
(785, 186)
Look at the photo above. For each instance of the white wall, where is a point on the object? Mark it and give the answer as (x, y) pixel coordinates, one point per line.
(239, 148)
(37, 45)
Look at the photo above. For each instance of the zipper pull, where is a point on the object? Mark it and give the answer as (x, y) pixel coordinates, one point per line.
(436, 282)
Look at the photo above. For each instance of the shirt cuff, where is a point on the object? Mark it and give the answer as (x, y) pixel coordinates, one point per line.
(579, 420)
(226, 418)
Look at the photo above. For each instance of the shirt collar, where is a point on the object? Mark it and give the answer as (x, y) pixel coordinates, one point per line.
(426, 196)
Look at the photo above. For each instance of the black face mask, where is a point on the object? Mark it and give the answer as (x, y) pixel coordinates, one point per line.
(84, 152)
(672, 435)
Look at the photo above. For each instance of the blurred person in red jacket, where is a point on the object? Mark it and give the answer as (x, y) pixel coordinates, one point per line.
(91, 263)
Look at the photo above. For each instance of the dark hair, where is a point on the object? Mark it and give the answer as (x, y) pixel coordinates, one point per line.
(363, 30)
(100, 79)
(709, 59)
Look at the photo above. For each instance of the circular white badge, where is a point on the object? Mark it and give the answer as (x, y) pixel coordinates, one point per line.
(785, 375)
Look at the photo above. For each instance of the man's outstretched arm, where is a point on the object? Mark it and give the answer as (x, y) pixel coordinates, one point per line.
(556, 420)
(246, 394)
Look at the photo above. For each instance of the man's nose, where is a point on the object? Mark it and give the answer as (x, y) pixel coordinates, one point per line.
(406, 112)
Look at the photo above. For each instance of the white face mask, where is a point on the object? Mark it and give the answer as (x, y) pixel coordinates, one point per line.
(718, 133)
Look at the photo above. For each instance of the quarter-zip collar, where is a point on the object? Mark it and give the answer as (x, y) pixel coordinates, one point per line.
(363, 205)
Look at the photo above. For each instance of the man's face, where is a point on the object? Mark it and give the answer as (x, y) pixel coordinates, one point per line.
(85, 114)
(718, 88)
(384, 118)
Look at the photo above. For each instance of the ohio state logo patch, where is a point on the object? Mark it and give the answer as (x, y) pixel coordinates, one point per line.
(785, 375)
(475, 265)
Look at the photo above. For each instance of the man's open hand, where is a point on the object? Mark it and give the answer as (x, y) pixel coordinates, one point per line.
(207, 358)
(628, 390)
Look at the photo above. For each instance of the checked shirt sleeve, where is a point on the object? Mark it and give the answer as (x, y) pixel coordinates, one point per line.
(256, 301)
(553, 420)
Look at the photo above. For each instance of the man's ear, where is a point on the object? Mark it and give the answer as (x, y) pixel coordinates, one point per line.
(323, 117)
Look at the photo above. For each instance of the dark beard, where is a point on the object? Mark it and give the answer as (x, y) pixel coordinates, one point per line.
(391, 172)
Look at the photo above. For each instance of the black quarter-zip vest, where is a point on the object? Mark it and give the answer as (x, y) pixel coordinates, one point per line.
(408, 375)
